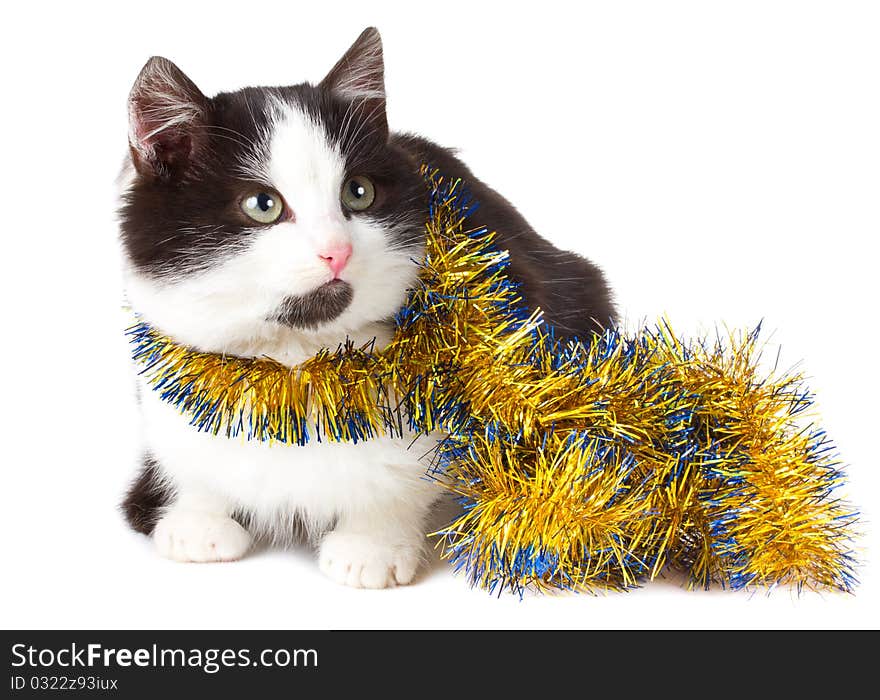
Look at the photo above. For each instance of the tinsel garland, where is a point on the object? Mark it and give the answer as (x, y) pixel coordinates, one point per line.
(581, 464)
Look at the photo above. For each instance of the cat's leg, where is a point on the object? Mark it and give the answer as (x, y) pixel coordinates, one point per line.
(379, 546)
(187, 521)
(187, 524)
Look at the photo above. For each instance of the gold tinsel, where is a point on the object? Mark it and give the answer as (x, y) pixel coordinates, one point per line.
(580, 464)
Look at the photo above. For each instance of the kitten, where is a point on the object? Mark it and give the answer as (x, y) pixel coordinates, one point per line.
(278, 221)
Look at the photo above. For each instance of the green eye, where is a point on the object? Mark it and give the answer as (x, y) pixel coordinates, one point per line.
(263, 207)
(358, 193)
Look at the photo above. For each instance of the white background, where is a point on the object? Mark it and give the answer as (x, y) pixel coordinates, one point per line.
(720, 161)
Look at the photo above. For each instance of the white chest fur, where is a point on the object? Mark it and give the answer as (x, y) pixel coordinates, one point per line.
(318, 481)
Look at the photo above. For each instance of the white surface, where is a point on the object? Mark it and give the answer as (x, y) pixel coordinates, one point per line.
(720, 164)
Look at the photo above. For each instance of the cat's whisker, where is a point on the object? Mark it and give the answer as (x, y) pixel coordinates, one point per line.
(227, 138)
(346, 123)
(366, 121)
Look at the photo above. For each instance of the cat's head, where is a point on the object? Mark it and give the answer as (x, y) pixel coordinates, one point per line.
(269, 213)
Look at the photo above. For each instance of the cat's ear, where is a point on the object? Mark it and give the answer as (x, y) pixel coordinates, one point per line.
(167, 119)
(360, 75)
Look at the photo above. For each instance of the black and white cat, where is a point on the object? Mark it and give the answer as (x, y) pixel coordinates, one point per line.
(275, 222)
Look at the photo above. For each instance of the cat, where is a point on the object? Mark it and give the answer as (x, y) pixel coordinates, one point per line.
(277, 221)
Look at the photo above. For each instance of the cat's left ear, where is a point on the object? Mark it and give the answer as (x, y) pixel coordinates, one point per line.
(167, 119)
(360, 76)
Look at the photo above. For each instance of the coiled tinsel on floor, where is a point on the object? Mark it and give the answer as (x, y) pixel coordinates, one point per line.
(580, 465)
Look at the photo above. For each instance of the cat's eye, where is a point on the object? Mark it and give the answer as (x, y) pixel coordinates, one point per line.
(263, 207)
(358, 193)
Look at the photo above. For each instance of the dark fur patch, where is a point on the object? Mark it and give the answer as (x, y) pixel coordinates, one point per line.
(571, 291)
(145, 499)
(320, 306)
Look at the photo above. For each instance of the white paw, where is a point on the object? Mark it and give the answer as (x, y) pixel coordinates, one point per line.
(362, 561)
(201, 537)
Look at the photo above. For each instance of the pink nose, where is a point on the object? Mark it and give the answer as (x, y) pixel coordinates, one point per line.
(336, 257)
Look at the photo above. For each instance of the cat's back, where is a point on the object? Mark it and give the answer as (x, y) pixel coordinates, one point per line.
(570, 290)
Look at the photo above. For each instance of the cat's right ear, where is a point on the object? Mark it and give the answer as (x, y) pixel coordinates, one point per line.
(167, 116)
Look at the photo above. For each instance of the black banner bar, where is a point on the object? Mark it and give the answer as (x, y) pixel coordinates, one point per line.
(269, 663)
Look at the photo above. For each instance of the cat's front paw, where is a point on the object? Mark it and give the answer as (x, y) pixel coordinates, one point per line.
(362, 561)
(200, 537)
